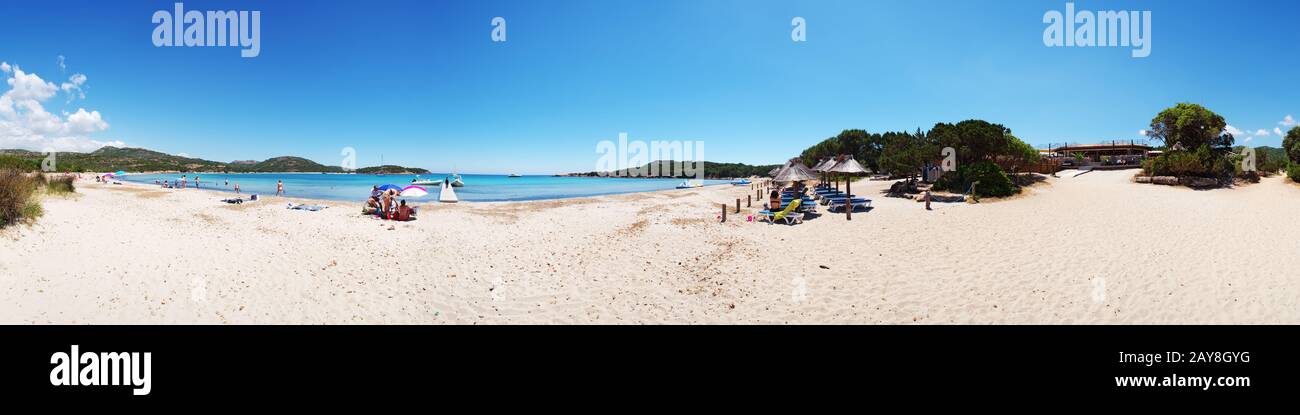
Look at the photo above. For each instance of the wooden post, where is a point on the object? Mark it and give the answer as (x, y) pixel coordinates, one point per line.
(749, 201)
(738, 205)
(724, 213)
(848, 199)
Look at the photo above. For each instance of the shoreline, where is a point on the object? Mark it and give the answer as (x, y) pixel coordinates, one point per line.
(432, 198)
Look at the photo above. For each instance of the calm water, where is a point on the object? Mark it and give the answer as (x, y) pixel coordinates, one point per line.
(478, 188)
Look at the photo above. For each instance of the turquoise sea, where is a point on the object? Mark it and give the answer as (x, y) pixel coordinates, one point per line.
(478, 187)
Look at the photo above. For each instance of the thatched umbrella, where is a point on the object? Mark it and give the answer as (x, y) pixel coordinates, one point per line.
(794, 171)
(847, 165)
(822, 166)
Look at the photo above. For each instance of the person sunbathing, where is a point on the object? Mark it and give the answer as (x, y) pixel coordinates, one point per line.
(774, 201)
(404, 212)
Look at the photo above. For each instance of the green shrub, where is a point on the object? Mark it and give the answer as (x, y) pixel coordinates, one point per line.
(1293, 171)
(11, 162)
(993, 182)
(1204, 162)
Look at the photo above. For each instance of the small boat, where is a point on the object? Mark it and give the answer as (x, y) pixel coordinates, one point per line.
(690, 184)
(456, 181)
(514, 175)
(417, 181)
(740, 182)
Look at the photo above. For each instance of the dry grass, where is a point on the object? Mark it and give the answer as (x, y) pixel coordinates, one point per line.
(16, 197)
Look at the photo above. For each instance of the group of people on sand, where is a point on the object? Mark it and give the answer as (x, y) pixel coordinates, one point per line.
(384, 204)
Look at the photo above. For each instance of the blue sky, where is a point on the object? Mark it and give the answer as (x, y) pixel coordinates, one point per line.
(421, 83)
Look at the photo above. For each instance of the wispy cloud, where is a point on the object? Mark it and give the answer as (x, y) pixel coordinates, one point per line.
(1287, 121)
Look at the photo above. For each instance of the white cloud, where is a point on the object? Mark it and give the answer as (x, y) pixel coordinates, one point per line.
(1287, 121)
(1261, 133)
(1142, 132)
(4, 67)
(73, 87)
(1277, 131)
(1235, 131)
(26, 124)
(86, 122)
(63, 66)
(23, 85)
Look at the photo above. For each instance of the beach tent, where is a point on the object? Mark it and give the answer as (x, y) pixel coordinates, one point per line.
(794, 171)
(847, 165)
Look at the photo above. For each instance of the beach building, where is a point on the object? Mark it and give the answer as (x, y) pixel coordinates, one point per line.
(1113, 154)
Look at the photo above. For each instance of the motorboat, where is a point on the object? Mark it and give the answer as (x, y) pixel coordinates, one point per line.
(418, 181)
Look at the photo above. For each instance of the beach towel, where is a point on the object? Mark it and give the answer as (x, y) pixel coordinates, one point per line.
(313, 208)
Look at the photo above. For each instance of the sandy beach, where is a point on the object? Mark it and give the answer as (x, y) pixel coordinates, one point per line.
(1089, 249)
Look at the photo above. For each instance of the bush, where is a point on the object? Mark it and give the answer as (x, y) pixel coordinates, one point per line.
(11, 162)
(16, 202)
(61, 184)
(993, 182)
(1204, 162)
(1293, 171)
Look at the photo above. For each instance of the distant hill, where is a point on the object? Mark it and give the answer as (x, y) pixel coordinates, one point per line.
(391, 169)
(142, 160)
(711, 170)
(286, 164)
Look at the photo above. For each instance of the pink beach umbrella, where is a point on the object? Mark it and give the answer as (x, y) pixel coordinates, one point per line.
(414, 191)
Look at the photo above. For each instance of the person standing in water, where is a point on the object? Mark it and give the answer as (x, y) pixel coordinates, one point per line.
(236, 188)
(196, 181)
(279, 188)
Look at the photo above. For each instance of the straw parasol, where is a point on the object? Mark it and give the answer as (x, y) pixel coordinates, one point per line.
(821, 167)
(847, 165)
(794, 171)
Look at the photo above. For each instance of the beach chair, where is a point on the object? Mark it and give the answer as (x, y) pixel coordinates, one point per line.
(790, 214)
(826, 200)
(851, 203)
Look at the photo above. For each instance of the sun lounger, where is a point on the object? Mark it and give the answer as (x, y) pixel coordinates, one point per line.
(855, 203)
(826, 200)
(790, 214)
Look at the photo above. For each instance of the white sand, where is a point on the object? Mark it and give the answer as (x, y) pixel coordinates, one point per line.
(1089, 249)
